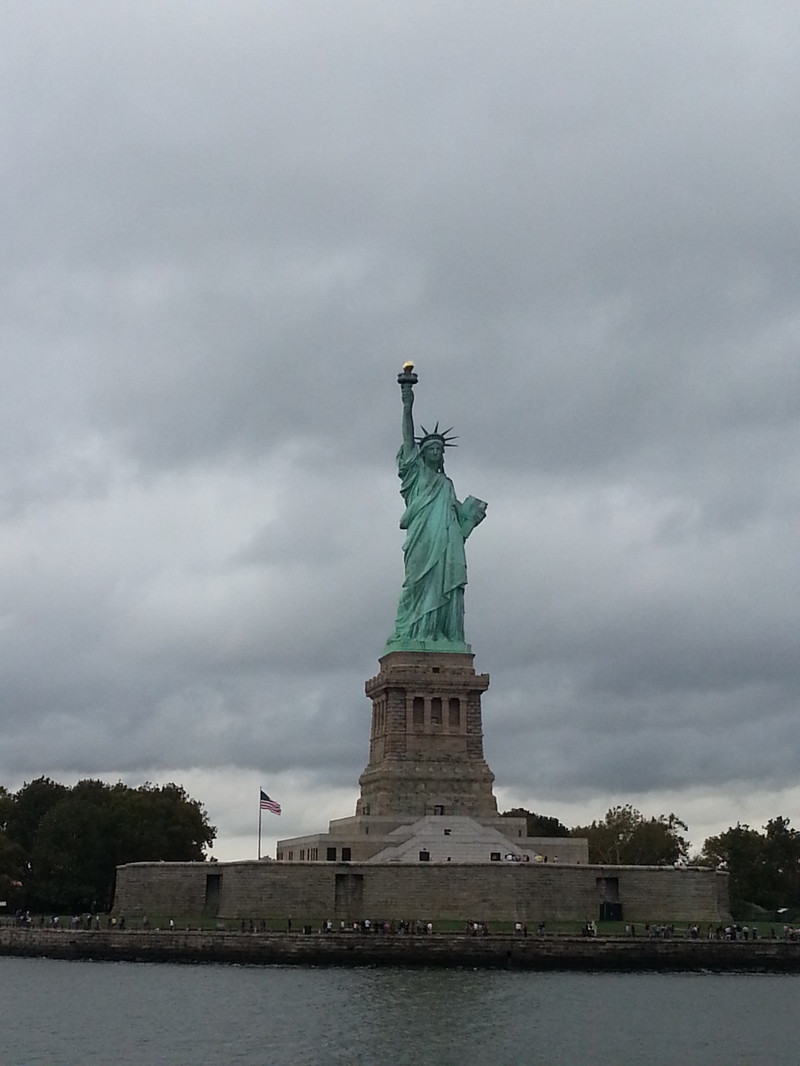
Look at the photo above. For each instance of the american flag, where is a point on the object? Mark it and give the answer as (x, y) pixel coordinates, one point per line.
(269, 805)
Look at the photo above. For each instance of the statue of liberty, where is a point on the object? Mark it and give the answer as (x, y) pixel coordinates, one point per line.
(430, 614)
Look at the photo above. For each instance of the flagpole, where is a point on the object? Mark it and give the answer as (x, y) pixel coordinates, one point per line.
(259, 826)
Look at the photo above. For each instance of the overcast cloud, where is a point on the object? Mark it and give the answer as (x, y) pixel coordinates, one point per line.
(226, 226)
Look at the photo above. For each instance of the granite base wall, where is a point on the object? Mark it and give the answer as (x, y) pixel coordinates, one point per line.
(508, 952)
(526, 892)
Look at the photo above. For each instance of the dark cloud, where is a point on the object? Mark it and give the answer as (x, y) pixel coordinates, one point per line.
(225, 229)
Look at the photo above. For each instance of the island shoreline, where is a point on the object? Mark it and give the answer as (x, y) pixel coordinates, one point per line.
(536, 953)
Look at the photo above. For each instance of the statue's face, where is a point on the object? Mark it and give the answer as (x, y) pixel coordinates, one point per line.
(433, 454)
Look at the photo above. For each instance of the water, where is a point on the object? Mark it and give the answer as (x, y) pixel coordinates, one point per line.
(124, 1014)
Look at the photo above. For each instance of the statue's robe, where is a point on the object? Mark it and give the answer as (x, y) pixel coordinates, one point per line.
(431, 606)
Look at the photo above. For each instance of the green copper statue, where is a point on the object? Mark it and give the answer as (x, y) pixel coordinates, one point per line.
(430, 614)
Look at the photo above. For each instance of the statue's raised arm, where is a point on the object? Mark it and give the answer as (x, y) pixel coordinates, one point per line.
(407, 379)
(430, 614)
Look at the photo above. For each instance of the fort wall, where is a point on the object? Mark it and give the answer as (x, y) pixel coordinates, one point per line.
(350, 892)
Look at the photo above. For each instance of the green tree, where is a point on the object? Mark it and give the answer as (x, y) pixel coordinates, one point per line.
(538, 825)
(20, 816)
(11, 873)
(12, 857)
(74, 857)
(782, 864)
(84, 833)
(625, 837)
(28, 807)
(160, 822)
(764, 868)
(739, 850)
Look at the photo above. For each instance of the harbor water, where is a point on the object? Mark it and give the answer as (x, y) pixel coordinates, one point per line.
(66, 1013)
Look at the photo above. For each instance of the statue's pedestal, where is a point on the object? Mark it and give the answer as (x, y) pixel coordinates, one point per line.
(425, 759)
(426, 743)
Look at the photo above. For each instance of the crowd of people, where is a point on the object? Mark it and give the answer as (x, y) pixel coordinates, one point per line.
(418, 927)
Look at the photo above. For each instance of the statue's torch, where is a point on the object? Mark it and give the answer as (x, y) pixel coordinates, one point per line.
(407, 379)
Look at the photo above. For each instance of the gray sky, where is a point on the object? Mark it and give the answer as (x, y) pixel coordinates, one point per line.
(225, 227)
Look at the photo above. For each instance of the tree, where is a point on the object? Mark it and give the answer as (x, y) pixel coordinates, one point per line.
(538, 825)
(625, 837)
(28, 807)
(740, 850)
(156, 823)
(782, 864)
(764, 868)
(12, 856)
(6, 800)
(65, 844)
(74, 858)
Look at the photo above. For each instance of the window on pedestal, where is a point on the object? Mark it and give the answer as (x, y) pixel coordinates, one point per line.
(436, 711)
(454, 713)
(419, 711)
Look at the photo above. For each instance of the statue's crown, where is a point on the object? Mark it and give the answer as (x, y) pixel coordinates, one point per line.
(442, 437)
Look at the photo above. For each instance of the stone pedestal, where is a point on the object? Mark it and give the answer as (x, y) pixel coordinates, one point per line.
(426, 743)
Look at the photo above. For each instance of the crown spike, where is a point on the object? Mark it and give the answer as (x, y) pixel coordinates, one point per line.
(437, 434)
